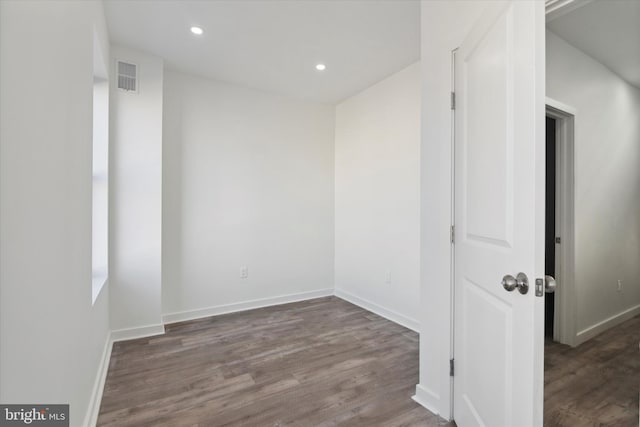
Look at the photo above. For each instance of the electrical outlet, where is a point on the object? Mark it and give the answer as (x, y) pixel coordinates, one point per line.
(244, 272)
(619, 285)
(387, 277)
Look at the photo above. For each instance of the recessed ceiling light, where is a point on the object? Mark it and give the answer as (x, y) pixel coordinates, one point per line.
(321, 67)
(197, 31)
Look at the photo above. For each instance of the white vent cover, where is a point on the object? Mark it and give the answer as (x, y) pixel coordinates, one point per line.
(127, 76)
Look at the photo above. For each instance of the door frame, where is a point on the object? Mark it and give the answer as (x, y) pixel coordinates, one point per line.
(564, 330)
(452, 248)
(556, 8)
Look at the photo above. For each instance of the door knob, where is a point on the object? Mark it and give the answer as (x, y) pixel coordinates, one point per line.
(509, 283)
(549, 284)
(521, 281)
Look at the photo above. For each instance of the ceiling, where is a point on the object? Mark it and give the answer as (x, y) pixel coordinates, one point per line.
(608, 31)
(274, 45)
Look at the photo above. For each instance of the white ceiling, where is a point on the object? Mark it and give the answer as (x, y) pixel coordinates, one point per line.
(274, 45)
(607, 30)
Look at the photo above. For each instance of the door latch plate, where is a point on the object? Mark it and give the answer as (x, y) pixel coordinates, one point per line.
(539, 287)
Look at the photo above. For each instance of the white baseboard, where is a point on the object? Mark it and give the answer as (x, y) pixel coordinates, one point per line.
(93, 410)
(395, 317)
(428, 399)
(139, 332)
(598, 328)
(242, 306)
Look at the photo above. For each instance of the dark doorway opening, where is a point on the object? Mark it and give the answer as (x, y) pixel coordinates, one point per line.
(550, 223)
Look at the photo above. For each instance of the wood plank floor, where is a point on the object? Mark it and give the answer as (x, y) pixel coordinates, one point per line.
(596, 383)
(322, 362)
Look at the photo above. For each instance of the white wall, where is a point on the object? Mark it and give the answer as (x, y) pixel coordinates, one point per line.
(377, 203)
(136, 197)
(247, 181)
(444, 25)
(607, 182)
(51, 336)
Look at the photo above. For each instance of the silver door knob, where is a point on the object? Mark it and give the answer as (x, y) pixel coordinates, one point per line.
(521, 281)
(509, 283)
(549, 284)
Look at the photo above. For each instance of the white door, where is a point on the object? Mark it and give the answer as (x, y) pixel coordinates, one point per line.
(499, 217)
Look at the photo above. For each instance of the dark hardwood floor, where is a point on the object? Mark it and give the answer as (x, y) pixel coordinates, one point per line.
(596, 383)
(322, 362)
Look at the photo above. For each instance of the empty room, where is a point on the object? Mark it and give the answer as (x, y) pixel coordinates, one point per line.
(319, 213)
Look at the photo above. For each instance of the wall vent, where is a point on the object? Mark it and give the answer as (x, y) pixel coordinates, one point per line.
(127, 76)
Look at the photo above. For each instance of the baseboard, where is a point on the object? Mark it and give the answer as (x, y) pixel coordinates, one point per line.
(139, 332)
(243, 306)
(598, 328)
(395, 317)
(93, 409)
(427, 399)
